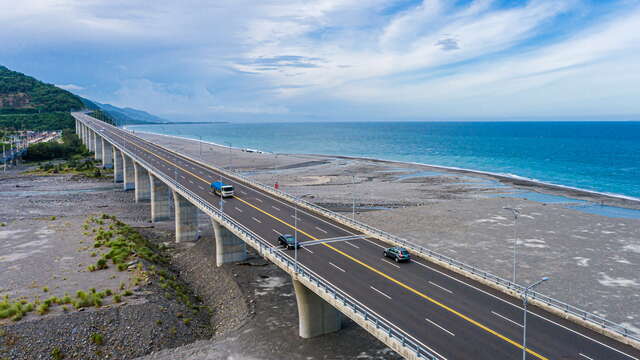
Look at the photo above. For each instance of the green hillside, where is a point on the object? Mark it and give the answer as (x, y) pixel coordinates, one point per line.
(27, 103)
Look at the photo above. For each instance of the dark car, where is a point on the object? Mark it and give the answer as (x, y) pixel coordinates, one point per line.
(397, 253)
(288, 240)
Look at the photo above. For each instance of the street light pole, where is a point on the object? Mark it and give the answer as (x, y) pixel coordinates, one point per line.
(524, 327)
(353, 210)
(230, 154)
(275, 169)
(516, 213)
(295, 237)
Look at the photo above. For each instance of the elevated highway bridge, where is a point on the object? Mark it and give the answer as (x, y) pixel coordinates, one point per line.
(429, 308)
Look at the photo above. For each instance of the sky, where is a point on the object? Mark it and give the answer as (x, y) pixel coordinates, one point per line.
(335, 60)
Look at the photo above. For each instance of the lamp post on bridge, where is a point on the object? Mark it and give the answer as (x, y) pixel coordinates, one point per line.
(353, 209)
(230, 154)
(524, 327)
(295, 236)
(275, 169)
(516, 213)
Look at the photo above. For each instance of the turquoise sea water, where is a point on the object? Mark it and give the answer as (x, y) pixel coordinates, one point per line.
(597, 156)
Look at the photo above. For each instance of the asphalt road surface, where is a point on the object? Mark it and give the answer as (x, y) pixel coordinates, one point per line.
(455, 317)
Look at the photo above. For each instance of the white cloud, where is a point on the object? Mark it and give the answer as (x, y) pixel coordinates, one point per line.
(284, 57)
(70, 87)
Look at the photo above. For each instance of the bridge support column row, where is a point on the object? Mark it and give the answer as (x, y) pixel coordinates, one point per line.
(117, 166)
(107, 154)
(160, 209)
(90, 140)
(229, 247)
(141, 183)
(186, 219)
(97, 139)
(316, 317)
(128, 182)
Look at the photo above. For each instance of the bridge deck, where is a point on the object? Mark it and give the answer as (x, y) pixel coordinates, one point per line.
(454, 316)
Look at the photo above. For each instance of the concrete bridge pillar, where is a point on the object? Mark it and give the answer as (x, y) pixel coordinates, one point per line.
(82, 134)
(128, 173)
(98, 146)
(186, 219)
(229, 247)
(90, 140)
(107, 154)
(117, 166)
(316, 316)
(160, 209)
(141, 183)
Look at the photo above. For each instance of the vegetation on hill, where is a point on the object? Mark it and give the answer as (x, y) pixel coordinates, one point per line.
(38, 122)
(20, 93)
(29, 104)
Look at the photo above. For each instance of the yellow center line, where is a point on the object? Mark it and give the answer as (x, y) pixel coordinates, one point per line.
(397, 282)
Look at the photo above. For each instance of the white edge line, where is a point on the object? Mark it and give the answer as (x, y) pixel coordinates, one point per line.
(441, 287)
(441, 328)
(585, 356)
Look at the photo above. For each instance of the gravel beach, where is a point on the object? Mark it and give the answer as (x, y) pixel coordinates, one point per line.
(587, 243)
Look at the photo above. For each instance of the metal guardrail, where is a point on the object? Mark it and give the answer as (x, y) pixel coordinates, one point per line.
(557, 304)
(297, 268)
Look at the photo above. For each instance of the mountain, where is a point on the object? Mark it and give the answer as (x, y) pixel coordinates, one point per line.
(22, 94)
(27, 103)
(126, 116)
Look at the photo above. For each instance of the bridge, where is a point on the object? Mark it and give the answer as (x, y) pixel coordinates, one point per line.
(433, 307)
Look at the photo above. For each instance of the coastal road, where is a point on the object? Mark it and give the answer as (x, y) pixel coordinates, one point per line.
(455, 317)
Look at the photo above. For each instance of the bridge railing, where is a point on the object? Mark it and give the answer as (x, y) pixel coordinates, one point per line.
(566, 308)
(297, 268)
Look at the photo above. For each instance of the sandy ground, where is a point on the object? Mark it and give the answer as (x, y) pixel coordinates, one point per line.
(593, 260)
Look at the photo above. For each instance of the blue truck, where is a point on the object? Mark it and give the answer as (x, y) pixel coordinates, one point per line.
(222, 189)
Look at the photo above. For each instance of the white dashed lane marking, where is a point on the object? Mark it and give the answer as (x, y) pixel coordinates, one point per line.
(324, 231)
(380, 292)
(441, 287)
(336, 266)
(441, 328)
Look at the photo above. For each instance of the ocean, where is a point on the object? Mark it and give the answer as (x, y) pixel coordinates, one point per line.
(594, 156)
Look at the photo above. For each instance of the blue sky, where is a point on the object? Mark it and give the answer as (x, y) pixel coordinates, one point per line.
(267, 60)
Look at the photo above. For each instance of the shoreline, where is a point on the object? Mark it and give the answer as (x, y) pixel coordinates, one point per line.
(511, 178)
